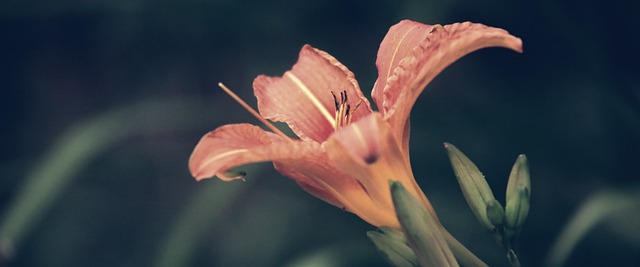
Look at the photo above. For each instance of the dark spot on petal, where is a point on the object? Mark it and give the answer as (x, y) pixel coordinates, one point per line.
(371, 158)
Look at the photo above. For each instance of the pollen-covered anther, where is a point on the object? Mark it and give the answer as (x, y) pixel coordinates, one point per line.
(343, 112)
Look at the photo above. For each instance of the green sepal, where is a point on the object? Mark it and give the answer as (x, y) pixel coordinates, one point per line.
(495, 213)
(518, 193)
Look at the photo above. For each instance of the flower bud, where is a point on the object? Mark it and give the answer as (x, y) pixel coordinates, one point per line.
(422, 230)
(474, 187)
(393, 246)
(518, 191)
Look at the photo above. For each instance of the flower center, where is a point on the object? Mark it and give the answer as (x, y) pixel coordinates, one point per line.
(344, 113)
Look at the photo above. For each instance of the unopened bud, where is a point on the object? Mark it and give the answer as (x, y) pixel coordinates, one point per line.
(474, 187)
(422, 230)
(518, 191)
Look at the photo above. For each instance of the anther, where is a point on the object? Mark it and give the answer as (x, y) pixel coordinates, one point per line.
(335, 100)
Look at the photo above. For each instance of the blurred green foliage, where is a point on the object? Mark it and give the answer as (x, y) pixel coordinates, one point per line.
(571, 102)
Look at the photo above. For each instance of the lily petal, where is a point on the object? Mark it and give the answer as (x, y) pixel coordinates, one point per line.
(399, 43)
(317, 191)
(302, 96)
(325, 181)
(441, 47)
(305, 162)
(237, 144)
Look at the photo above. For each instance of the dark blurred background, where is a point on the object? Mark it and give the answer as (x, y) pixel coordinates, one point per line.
(103, 101)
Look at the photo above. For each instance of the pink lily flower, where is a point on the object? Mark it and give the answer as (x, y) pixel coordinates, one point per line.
(345, 153)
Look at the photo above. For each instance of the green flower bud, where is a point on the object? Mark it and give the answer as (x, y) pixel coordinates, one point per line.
(474, 187)
(518, 191)
(422, 230)
(393, 246)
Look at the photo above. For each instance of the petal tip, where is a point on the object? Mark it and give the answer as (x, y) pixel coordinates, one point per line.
(199, 174)
(517, 45)
(200, 178)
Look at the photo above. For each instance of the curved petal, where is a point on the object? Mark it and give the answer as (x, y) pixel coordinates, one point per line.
(302, 96)
(317, 191)
(238, 144)
(368, 151)
(399, 43)
(322, 179)
(305, 162)
(443, 46)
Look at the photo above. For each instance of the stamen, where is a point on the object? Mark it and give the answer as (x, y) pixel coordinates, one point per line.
(254, 112)
(357, 105)
(343, 112)
(335, 100)
(354, 110)
(336, 114)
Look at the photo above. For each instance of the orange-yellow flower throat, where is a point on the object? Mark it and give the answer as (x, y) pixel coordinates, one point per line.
(343, 109)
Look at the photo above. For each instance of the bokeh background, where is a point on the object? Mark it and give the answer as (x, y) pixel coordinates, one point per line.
(103, 101)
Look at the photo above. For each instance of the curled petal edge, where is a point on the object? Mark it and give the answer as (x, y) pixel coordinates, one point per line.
(397, 44)
(441, 47)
